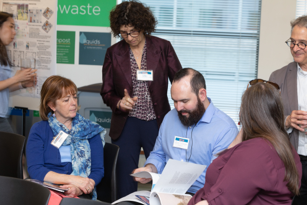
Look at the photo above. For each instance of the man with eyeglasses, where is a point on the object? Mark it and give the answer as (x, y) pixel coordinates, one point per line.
(292, 80)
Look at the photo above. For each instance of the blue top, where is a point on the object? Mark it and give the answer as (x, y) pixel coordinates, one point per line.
(43, 157)
(212, 134)
(5, 73)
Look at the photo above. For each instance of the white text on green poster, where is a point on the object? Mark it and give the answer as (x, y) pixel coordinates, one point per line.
(103, 118)
(66, 47)
(85, 12)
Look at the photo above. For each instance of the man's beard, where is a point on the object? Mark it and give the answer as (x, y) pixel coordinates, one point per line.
(194, 115)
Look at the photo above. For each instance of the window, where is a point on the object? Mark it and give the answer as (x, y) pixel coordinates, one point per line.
(301, 8)
(219, 38)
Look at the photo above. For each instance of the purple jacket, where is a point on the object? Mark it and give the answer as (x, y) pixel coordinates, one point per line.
(249, 173)
(161, 58)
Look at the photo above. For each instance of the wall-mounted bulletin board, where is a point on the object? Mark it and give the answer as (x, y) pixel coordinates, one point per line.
(82, 37)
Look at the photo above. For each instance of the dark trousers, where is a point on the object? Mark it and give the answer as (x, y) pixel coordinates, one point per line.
(302, 198)
(136, 134)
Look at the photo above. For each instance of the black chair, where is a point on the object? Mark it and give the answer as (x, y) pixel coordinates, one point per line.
(11, 150)
(74, 201)
(17, 191)
(106, 189)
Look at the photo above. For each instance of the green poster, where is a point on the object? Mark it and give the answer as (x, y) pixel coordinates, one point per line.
(85, 12)
(66, 47)
(35, 113)
(103, 118)
(93, 47)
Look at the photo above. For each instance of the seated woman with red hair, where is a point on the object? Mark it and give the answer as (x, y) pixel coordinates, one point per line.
(76, 162)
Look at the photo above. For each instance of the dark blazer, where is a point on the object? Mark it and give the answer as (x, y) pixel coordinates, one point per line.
(161, 58)
(286, 78)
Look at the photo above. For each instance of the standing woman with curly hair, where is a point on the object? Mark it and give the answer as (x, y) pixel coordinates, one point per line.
(135, 80)
(22, 78)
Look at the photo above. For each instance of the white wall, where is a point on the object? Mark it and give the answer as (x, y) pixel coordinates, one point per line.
(275, 29)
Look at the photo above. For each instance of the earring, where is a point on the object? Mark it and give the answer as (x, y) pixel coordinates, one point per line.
(53, 114)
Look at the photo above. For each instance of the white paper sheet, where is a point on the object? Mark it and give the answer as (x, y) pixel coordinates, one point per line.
(153, 176)
(177, 177)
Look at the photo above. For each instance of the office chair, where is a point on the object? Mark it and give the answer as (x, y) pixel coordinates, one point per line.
(11, 150)
(106, 189)
(17, 191)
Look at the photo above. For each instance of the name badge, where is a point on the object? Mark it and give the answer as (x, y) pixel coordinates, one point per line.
(145, 75)
(181, 142)
(59, 139)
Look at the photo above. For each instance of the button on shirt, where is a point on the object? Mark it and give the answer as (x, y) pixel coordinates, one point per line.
(302, 105)
(212, 134)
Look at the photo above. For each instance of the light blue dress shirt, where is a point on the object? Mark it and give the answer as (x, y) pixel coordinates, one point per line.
(212, 134)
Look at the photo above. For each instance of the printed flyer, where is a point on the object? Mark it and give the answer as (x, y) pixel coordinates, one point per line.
(35, 24)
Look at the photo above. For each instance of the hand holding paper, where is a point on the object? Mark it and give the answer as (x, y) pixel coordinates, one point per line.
(144, 178)
(170, 187)
(147, 176)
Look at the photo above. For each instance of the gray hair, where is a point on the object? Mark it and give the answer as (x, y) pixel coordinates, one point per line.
(300, 21)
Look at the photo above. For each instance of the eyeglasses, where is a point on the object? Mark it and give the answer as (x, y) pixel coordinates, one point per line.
(292, 43)
(255, 81)
(133, 34)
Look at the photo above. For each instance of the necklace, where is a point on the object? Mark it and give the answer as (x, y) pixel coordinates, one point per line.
(137, 55)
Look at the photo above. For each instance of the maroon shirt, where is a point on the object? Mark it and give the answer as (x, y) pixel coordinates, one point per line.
(249, 173)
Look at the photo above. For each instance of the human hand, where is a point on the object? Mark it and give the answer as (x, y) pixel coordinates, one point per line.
(127, 103)
(72, 191)
(205, 202)
(30, 83)
(86, 185)
(297, 119)
(25, 74)
(142, 180)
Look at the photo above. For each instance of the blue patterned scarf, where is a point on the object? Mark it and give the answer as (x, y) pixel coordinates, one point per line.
(82, 129)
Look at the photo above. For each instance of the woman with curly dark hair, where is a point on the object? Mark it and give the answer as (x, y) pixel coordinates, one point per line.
(135, 80)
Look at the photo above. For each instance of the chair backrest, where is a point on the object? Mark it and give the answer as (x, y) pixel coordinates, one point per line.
(75, 201)
(17, 191)
(106, 189)
(11, 150)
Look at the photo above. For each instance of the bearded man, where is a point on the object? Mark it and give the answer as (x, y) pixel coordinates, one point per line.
(195, 131)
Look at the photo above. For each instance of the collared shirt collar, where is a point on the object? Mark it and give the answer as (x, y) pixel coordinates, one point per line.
(208, 115)
(300, 70)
